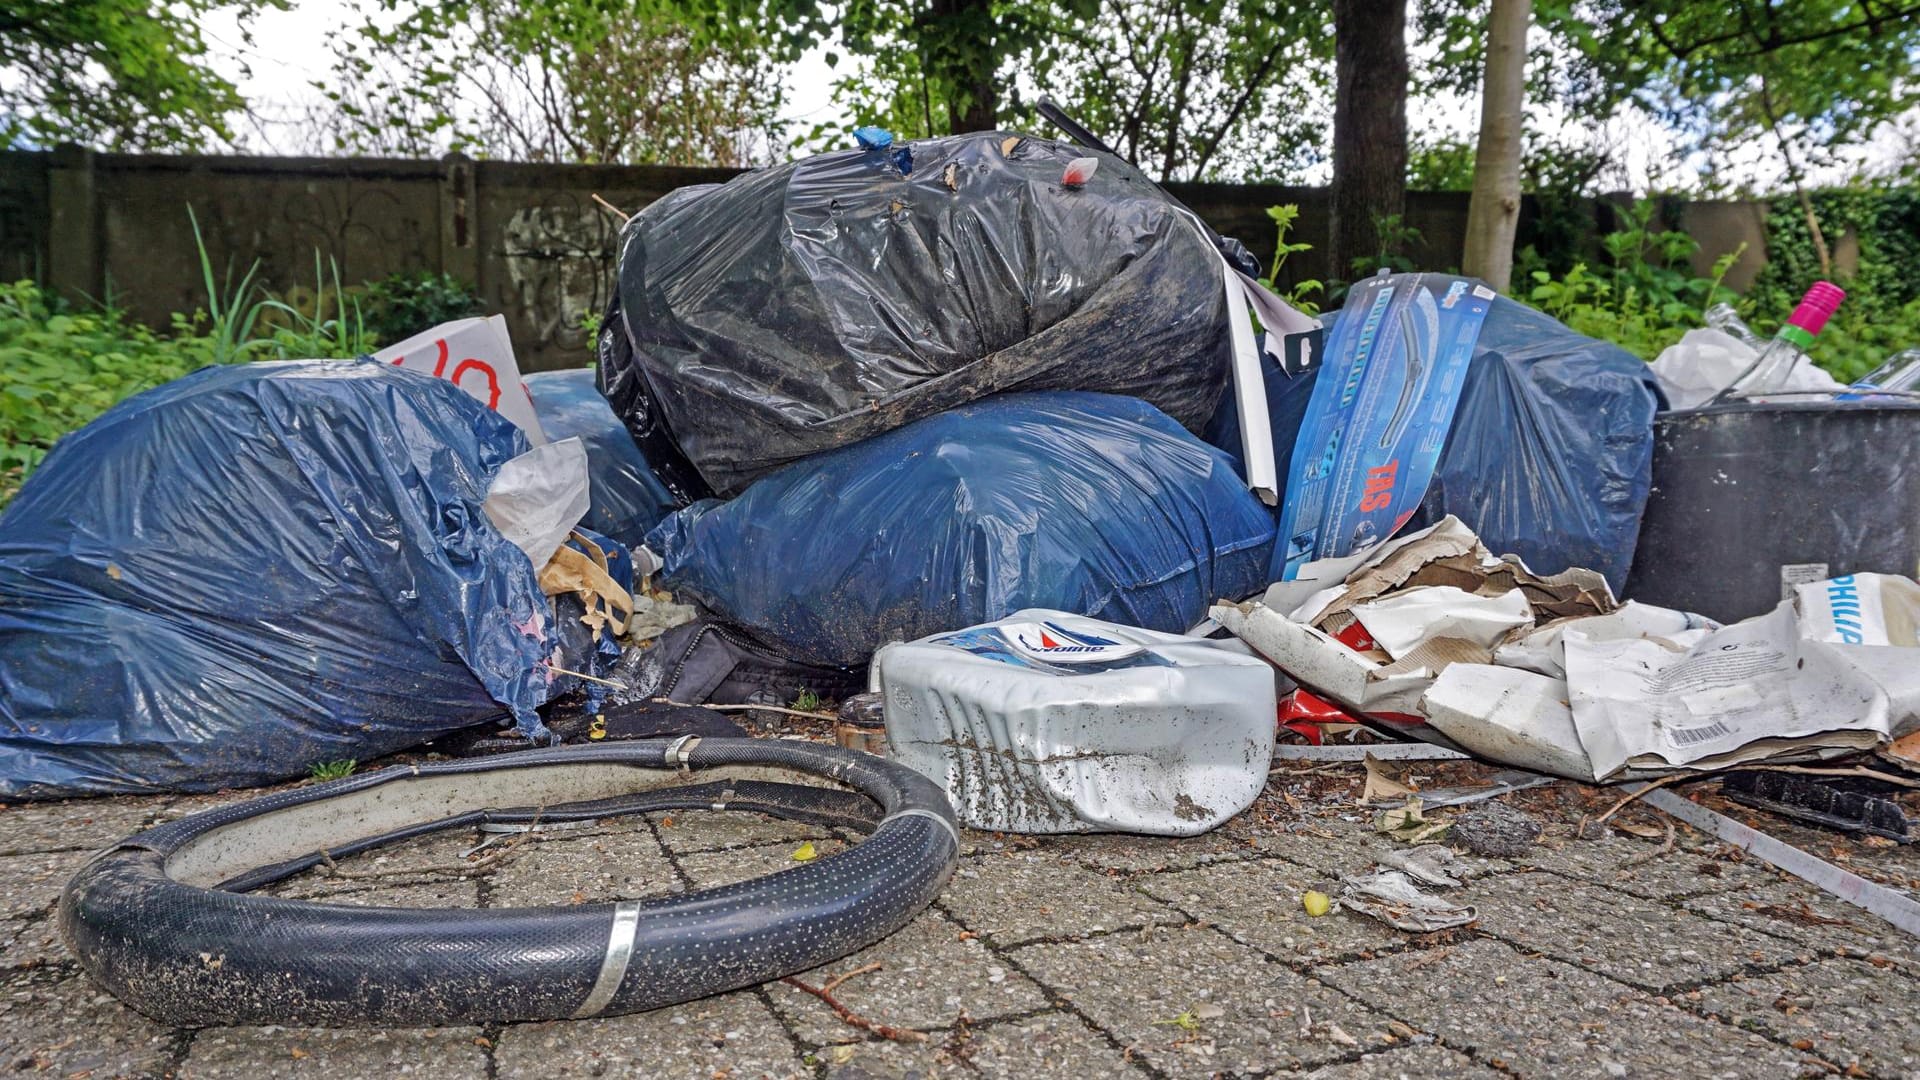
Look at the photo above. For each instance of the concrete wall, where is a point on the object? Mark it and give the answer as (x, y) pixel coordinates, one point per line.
(528, 236)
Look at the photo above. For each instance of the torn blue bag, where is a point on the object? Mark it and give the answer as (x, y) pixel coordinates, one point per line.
(255, 568)
(1089, 503)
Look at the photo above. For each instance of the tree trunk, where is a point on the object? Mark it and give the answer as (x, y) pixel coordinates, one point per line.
(1495, 210)
(1369, 126)
(973, 97)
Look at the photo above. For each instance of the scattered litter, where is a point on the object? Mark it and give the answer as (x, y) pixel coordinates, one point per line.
(1429, 864)
(1079, 171)
(1495, 830)
(1408, 823)
(1380, 787)
(1392, 897)
(1836, 803)
(1316, 904)
(805, 853)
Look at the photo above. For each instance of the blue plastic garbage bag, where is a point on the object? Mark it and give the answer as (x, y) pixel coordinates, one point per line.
(628, 499)
(1081, 502)
(255, 568)
(1551, 451)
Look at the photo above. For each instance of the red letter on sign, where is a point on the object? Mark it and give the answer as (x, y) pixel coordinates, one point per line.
(493, 380)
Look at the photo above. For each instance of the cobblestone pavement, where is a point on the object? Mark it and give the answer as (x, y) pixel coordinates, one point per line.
(1102, 956)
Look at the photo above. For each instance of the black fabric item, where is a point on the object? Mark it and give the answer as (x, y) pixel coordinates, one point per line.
(707, 663)
(632, 720)
(812, 305)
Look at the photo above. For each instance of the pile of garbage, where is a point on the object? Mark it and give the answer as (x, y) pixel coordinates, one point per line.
(990, 441)
(993, 396)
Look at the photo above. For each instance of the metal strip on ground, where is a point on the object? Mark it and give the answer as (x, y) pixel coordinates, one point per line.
(1894, 907)
(1412, 751)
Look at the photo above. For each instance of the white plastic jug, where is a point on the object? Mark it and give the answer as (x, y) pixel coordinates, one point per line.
(1046, 722)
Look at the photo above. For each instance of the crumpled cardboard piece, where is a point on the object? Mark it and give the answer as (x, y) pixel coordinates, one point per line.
(1298, 630)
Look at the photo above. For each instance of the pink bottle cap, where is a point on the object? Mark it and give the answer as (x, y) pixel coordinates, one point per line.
(1817, 307)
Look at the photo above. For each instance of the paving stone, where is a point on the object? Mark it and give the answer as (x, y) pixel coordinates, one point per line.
(616, 866)
(1244, 1013)
(74, 1028)
(402, 893)
(711, 869)
(930, 975)
(1686, 871)
(732, 1035)
(1148, 854)
(1647, 943)
(1018, 897)
(1428, 1062)
(75, 824)
(719, 830)
(1540, 1017)
(30, 943)
(319, 1052)
(1815, 919)
(1850, 1011)
(1259, 903)
(860, 1057)
(31, 884)
(1050, 1044)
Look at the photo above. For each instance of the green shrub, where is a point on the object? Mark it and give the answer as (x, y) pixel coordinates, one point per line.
(399, 306)
(59, 370)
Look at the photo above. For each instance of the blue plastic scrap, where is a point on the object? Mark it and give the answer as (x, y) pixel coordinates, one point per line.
(1074, 501)
(256, 568)
(873, 138)
(628, 499)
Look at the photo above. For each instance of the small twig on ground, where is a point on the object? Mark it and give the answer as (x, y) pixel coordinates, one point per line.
(834, 983)
(1581, 829)
(1649, 856)
(848, 1016)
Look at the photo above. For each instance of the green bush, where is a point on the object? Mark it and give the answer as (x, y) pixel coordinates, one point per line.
(399, 306)
(63, 369)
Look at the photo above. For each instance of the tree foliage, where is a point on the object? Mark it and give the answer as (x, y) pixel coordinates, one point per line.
(597, 81)
(115, 74)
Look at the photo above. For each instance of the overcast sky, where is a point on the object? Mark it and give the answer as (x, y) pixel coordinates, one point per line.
(290, 53)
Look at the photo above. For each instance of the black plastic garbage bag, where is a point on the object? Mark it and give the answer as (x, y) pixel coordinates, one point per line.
(809, 306)
(255, 568)
(1551, 451)
(628, 499)
(1073, 501)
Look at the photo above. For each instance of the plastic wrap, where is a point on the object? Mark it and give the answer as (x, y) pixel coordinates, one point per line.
(255, 568)
(809, 306)
(1087, 503)
(627, 498)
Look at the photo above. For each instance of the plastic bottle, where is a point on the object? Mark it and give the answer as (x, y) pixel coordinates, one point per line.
(1900, 372)
(1723, 318)
(1770, 371)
